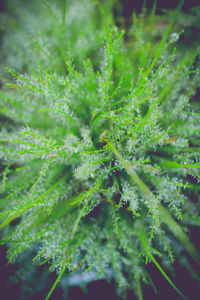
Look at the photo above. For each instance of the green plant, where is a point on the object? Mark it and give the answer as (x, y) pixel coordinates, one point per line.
(101, 144)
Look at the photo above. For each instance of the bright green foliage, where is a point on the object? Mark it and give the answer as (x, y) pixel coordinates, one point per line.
(100, 142)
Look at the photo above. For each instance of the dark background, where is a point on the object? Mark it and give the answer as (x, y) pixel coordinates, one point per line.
(101, 289)
(130, 5)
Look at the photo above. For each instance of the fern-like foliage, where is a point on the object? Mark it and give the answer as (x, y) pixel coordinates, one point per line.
(100, 143)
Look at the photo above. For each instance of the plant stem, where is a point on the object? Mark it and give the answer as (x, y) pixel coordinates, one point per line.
(63, 12)
(164, 38)
(174, 227)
